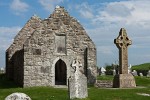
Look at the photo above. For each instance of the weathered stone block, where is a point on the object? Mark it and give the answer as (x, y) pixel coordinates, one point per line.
(124, 81)
(78, 89)
(18, 96)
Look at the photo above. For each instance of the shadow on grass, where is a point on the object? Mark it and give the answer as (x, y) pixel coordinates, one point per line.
(5, 83)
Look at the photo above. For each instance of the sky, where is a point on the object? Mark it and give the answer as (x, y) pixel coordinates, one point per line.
(102, 20)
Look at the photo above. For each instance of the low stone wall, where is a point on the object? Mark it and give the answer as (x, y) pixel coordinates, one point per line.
(104, 84)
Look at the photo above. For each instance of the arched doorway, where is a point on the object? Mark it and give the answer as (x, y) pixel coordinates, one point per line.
(60, 73)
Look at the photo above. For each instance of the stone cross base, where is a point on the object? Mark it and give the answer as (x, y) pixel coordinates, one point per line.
(124, 81)
(78, 89)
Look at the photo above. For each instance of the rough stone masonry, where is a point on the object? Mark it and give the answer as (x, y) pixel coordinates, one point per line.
(43, 51)
(124, 79)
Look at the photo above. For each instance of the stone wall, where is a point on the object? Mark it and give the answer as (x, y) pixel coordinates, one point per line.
(42, 45)
(12, 53)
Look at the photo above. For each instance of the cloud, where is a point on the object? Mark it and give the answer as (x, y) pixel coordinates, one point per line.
(6, 36)
(103, 28)
(19, 6)
(49, 5)
(85, 10)
(133, 15)
(132, 12)
(107, 50)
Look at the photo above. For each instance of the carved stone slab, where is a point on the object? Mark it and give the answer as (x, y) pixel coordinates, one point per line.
(77, 89)
(78, 82)
(122, 42)
(123, 80)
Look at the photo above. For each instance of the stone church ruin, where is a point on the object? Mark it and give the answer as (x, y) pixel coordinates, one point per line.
(43, 51)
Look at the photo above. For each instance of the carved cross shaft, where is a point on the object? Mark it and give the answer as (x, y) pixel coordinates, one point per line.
(76, 66)
(122, 42)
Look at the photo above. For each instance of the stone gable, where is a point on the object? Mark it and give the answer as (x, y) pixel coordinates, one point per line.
(43, 51)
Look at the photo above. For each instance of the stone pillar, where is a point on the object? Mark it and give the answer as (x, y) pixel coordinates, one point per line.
(124, 79)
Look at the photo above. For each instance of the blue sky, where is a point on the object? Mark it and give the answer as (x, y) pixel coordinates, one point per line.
(102, 19)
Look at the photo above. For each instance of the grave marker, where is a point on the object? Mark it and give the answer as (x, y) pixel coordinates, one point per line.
(134, 73)
(148, 73)
(78, 82)
(123, 80)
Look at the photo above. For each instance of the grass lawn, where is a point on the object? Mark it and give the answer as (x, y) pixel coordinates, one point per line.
(49, 93)
(145, 66)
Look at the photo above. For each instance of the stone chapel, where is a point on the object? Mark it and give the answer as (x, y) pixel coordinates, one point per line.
(43, 51)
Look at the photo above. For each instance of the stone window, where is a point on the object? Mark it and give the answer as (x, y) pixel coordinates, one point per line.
(60, 44)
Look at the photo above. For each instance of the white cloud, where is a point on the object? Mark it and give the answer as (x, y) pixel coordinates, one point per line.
(19, 6)
(85, 10)
(134, 16)
(49, 5)
(132, 12)
(6, 36)
(7, 30)
(107, 50)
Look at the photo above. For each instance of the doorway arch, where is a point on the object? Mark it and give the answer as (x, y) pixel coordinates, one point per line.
(60, 72)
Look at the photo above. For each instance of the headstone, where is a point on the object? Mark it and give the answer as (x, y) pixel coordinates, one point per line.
(2, 70)
(129, 69)
(98, 71)
(18, 96)
(123, 80)
(114, 72)
(103, 70)
(148, 74)
(141, 74)
(134, 73)
(78, 82)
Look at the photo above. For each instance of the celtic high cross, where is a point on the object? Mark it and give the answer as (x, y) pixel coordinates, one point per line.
(122, 42)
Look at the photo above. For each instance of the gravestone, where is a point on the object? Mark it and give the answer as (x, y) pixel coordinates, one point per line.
(2, 70)
(103, 70)
(17, 96)
(114, 72)
(123, 80)
(148, 74)
(134, 73)
(129, 68)
(141, 74)
(78, 82)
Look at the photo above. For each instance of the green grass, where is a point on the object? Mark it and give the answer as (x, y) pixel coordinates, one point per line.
(37, 93)
(145, 66)
(49, 93)
(143, 81)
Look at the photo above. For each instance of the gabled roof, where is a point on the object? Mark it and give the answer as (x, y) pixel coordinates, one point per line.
(58, 18)
(24, 33)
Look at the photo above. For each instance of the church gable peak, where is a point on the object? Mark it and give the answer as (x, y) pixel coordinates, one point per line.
(35, 17)
(59, 12)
